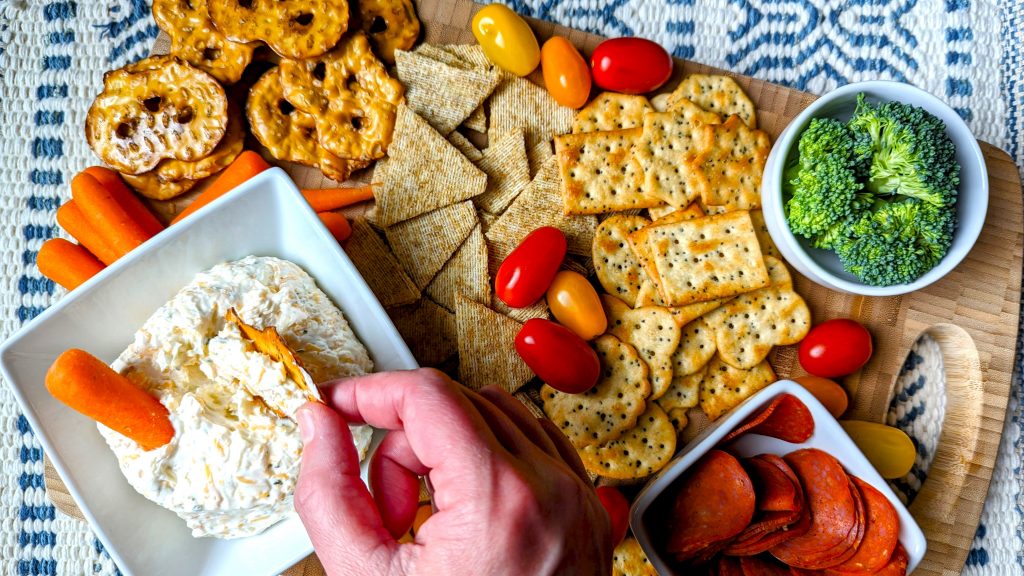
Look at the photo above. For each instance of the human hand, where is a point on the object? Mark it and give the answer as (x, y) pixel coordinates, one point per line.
(510, 492)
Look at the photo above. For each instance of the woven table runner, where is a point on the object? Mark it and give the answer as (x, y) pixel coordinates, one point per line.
(53, 54)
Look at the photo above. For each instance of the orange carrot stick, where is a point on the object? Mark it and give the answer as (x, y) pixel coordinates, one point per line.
(88, 385)
(327, 199)
(66, 264)
(247, 165)
(106, 215)
(337, 225)
(74, 223)
(126, 198)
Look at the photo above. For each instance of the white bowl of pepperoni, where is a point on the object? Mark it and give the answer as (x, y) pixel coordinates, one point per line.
(775, 487)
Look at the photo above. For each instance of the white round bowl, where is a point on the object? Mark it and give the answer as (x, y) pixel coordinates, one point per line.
(823, 266)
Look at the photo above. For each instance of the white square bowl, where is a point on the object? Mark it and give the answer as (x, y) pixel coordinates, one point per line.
(828, 436)
(265, 216)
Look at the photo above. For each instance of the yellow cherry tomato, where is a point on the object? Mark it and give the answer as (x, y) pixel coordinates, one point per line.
(507, 39)
(576, 305)
(828, 392)
(566, 74)
(888, 449)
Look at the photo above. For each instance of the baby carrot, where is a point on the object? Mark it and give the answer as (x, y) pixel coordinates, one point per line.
(65, 263)
(74, 223)
(247, 165)
(126, 198)
(337, 224)
(106, 215)
(326, 199)
(88, 385)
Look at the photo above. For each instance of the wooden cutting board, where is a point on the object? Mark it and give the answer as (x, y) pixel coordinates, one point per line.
(972, 313)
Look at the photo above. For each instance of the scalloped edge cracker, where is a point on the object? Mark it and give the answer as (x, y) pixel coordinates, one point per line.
(423, 244)
(464, 89)
(684, 392)
(616, 265)
(487, 352)
(599, 174)
(764, 238)
(639, 452)
(696, 347)
(724, 386)
(702, 259)
(410, 183)
(508, 171)
(611, 111)
(652, 331)
(628, 559)
(379, 267)
(465, 273)
(716, 93)
(428, 329)
(731, 160)
(612, 406)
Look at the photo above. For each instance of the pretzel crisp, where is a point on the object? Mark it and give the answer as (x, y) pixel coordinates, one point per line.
(390, 24)
(195, 40)
(159, 107)
(288, 133)
(150, 185)
(292, 28)
(351, 96)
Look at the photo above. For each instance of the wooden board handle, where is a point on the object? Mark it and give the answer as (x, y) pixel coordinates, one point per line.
(948, 507)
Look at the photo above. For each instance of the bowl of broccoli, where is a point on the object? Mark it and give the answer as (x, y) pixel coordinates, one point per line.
(877, 188)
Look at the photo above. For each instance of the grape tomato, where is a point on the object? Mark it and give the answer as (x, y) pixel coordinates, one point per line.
(630, 65)
(506, 39)
(526, 273)
(558, 356)
(835, 348)
(888, 449)
(576, 305)
(566, 74)
(618, 511)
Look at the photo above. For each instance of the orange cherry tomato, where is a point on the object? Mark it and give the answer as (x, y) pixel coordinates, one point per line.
(566, 74)
(888, 449)
(507, 39)
(576, 305)
(828, 392)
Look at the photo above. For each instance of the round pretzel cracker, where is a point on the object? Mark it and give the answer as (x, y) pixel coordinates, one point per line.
(350, 94)
(157, 108)
(289, 134)
(197, 41)
(390, 24)
(292, 28)
(229, 147)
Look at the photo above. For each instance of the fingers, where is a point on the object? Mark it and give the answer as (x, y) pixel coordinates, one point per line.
(394, 482)
(335, 507)
(518, 414)
(504, 429)
(566, 450)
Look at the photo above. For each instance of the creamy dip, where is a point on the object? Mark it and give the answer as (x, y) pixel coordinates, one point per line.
(231, 467)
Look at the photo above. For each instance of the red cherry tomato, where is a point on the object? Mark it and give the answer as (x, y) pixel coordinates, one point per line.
(527, 272)
(618, 510)
(835, 348)
(558, 356)
(566, 74)
(630, 65)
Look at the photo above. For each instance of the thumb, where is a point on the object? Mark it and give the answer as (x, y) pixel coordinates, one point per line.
(333, 502)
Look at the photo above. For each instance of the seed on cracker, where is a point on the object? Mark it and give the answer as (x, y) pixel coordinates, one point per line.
(424, 243)
(679, 420)
(731, 161)
(468, 149)
(702, 259)
(428, 329)
(465, 273)
(724, 386)
(696, 347)
(519, 103)
(683, 315)
(652, 331)
(410, 181)
(684, 392)
(768, 247)
(443, 95)
(611, 111)
(612, 406)
(747, 327)
(617, 267)
(666, 150)
(379, 267)
(660, 103)
(598, 173)
(628, 559)
(486, 348)
(719, 94)
(508, 171)
(638, 453)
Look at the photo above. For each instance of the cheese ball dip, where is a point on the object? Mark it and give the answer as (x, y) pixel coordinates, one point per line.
(231, 468)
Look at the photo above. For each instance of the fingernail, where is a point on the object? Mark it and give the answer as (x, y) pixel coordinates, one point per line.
(307, 428)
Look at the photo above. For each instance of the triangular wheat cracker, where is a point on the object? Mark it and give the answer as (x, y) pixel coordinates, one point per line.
(424, 243)
(379, 267)
(465, 273)
(487, 352)
(508, 171)
(468, 149)
(443, 95)
(428, 329)
(519, 103)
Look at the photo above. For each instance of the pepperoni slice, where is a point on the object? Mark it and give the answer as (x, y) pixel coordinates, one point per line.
(833, 511)
(728, 566)
(776, 492)
(880, 537)
(762, 566)
(767, 540)
(897, 565)
(715, 503)
(786, 418)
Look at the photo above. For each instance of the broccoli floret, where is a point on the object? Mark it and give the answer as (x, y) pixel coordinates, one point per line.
(896, 241)
(824, 186)
(911, 154)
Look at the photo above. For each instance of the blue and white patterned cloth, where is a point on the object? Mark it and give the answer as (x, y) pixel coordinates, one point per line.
(53, 54)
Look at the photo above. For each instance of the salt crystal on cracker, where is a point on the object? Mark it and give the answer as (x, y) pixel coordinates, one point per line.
(508, 171)
(599, 174)
(443, 95)
(611, 111)
(428, 329)
(423, 244)
(410, 181)
(465, 273)
(637, 453)
(379, 267)
(486, 348)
